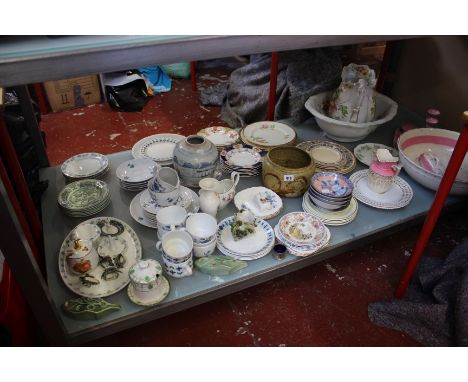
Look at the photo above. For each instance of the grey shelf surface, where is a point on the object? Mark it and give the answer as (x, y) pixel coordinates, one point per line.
(190, 291)
(30, 59)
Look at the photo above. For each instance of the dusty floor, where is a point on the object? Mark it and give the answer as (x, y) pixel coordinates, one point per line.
(322, 305)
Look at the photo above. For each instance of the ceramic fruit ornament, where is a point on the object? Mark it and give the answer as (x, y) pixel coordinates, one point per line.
(243, 225)
(219, 265)
(383, 171)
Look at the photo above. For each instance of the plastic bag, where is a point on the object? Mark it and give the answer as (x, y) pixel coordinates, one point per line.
(125, 91)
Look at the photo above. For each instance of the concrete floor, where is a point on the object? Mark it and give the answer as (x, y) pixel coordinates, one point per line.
(322, 305)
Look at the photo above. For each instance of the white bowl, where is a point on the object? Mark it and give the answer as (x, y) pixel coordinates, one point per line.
(342, 131)
(438, 142)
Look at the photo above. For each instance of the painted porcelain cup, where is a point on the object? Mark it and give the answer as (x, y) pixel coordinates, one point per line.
(87, 231)
(145, 277)
(176, 249)
(82, 257)
(165, 179)
(205, 249)
(202, 227)
(163, 199)
(170, 218)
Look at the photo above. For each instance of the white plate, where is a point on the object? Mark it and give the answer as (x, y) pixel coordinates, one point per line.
(331, 218)
(158, 147)
(104, 288)
(137, 213)
(159, 294)
(220, 135)
(365, 152)
(243, 157)
(302, 223)
(399, 195)
(247, 198)
(135, 171)
(252, 247)
(84, 165)
(269, 134)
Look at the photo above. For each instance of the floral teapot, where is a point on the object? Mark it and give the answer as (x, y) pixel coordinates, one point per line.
(217, 194)
(354, 100)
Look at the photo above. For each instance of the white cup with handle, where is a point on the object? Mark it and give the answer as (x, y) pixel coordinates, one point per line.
(176, 249)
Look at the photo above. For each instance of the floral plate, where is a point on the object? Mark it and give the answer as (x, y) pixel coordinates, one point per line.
(132, 254)
(220, 135)
(302, 228)
(268, 134)
(365, 152)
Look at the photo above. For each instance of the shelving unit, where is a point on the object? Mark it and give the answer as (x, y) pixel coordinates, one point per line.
(29, 60)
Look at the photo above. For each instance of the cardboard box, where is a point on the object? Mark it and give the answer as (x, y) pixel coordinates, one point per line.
(73, 92)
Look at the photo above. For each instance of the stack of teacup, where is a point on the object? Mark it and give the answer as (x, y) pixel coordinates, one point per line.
(330, 191)
(183, 235)
(164, 188)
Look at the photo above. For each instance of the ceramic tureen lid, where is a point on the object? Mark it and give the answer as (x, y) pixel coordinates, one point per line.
(145, 271)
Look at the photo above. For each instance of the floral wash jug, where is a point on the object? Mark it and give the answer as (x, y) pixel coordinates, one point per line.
(354, 100)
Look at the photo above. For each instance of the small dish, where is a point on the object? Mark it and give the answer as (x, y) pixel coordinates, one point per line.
(332, 184)
(261, 201)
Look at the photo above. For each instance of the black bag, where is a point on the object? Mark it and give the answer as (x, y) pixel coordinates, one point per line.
(130, 96)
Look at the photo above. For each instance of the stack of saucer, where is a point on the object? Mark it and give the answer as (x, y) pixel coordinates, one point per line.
(84, 166)
(302, 233)
(221, 136)
(332, 218)
(84, 197)
(134, 174)
(244, 159)
(330, 191)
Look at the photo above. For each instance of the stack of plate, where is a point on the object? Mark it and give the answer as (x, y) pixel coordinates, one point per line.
(329, 156)
(302, 233)
(134, 174)
(144, 209)
(267, 135)
(244, 159)
(84, 197)
(251, 247)
(332, 218)
(84, 166)
(158, 147)
(330, 191)
(221, 136)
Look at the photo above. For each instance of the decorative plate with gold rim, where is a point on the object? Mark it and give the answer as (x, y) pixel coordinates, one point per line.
(329, 156)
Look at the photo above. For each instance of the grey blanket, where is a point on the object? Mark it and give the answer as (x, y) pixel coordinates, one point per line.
(435, 311)
(300, 74)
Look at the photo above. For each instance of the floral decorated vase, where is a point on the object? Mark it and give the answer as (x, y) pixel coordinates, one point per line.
(195, 158)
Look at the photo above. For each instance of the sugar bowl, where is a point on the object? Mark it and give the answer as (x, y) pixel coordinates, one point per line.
(145, 277)
(81, 256)
(382, 171)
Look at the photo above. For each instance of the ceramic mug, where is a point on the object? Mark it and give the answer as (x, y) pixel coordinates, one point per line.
(176, 248)
(163, 199)
(82, 257)
(165, 180)
(202, 227)
(170, 218)
(204, 249)
(145, 276)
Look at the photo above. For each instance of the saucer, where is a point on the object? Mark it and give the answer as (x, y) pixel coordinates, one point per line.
(247, 199)
(398, 196)
(160, 294)
(137, 213)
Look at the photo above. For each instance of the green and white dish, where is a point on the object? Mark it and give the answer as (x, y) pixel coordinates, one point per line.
(83, 195)
(160, 293)
(132, 254)
(365, 152)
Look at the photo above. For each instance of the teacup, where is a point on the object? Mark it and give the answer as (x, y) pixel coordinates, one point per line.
(165, 180)
(170, 218)
(202, 227)
(82, 257)
(176, 248)
(87, 231)
(145, 277)
(204, 249)
(163, 199)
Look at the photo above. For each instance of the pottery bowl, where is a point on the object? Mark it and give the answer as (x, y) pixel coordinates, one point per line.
(287, 171)
(439, 143)
(332, 184)
(341, 131)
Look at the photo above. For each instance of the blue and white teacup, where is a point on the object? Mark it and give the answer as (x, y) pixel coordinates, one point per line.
(170, 218)
(202, 250)
(176, 248)
(165, 180)
(202, 227)
(163, 199)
